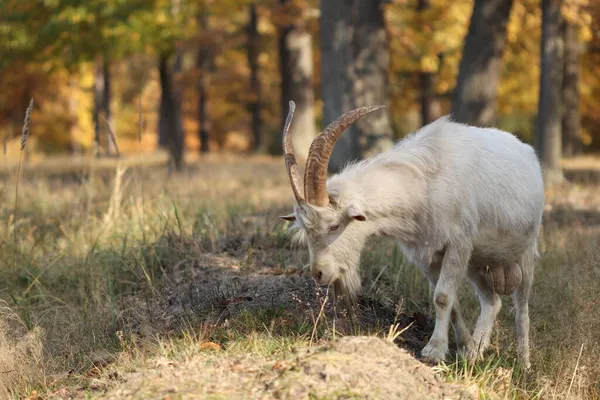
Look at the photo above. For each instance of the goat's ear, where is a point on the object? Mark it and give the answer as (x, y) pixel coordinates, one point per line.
(290, 217)
(356, 212)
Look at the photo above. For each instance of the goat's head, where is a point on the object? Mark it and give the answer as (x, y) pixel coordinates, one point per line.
(331, 224)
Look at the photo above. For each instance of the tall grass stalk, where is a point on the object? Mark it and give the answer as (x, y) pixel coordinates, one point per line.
(141, 165)
(24, 137)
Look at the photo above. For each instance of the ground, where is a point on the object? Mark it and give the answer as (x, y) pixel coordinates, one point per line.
(350, 367)
(121, 281)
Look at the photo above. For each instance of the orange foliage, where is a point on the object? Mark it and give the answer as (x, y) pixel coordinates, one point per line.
(429, 41)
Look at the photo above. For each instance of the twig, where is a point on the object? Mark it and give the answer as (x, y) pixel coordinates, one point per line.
(575, 370)
(314, 330)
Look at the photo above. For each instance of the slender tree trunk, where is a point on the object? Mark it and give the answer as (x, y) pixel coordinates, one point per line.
(571, 119)
(178, 97)
(165, 94)
(163, 129)
(548, 126)
(354, 69)
(474, 99)
(296, 70)
(98, 102)
(429, 108)
(169, 122)
(110, 146)
(254, 104)
(203, 65)
(73, 104)
(102, 95)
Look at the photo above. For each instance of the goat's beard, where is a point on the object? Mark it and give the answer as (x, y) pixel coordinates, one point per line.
(347, 286)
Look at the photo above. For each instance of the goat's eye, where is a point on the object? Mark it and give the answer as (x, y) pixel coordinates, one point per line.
(333, 228)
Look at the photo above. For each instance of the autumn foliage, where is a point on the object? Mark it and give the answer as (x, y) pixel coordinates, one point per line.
(49, 51)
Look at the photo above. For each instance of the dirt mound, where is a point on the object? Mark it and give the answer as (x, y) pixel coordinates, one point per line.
(351, 367)
(367, 368)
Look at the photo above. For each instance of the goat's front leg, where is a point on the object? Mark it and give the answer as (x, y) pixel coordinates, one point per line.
(454, 267)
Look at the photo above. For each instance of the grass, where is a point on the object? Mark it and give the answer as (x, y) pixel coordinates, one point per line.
(103, 250)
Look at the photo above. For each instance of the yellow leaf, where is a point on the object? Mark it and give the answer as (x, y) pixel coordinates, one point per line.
(429, 63)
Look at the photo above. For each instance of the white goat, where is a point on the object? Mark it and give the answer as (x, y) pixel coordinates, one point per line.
(461, 201)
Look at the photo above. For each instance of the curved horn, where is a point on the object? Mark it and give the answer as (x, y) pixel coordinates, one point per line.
(290, 157)
(315, 173)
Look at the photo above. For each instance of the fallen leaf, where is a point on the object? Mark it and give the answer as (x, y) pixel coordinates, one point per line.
(210, 346)
(33, 396)
(281, 366)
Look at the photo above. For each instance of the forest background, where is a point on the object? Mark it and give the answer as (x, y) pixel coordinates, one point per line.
(191, 76)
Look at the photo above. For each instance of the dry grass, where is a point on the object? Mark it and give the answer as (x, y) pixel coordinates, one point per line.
(21, 353)
(106, 257)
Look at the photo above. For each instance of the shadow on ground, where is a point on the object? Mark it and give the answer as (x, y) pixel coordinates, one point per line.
(218, 288)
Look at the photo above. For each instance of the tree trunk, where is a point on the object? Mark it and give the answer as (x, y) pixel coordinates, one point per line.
(354, 69)
(110, 145)
(170, 123)
(98, 103)
(571, 119)
(474, 99)
(178, 97)
(548, 126)
(163, 128)
(428, 108)
(296, 69)
(254, 104)
(429, 103)
(203, 64)
(102, 94)
(73, 104)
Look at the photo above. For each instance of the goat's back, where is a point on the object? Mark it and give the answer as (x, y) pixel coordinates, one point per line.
(483, 183)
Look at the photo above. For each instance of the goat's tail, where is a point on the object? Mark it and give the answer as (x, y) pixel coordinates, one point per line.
(529, 259)
(539, 244)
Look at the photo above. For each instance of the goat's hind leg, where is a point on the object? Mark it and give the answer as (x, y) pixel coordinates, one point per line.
(521, 302)
(463, 338)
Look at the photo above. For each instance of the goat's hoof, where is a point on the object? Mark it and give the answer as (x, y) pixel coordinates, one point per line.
(433, 353)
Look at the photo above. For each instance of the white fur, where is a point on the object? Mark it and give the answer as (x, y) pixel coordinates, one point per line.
(457, 198)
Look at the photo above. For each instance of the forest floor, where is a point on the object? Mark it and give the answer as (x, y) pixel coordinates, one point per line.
(118, 281)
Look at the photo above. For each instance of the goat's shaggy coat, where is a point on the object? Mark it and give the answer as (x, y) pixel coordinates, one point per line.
(461, 201)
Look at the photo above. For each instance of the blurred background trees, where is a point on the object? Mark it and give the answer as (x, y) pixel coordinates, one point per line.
(474, 100)
(193, 76)
(354, 71)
